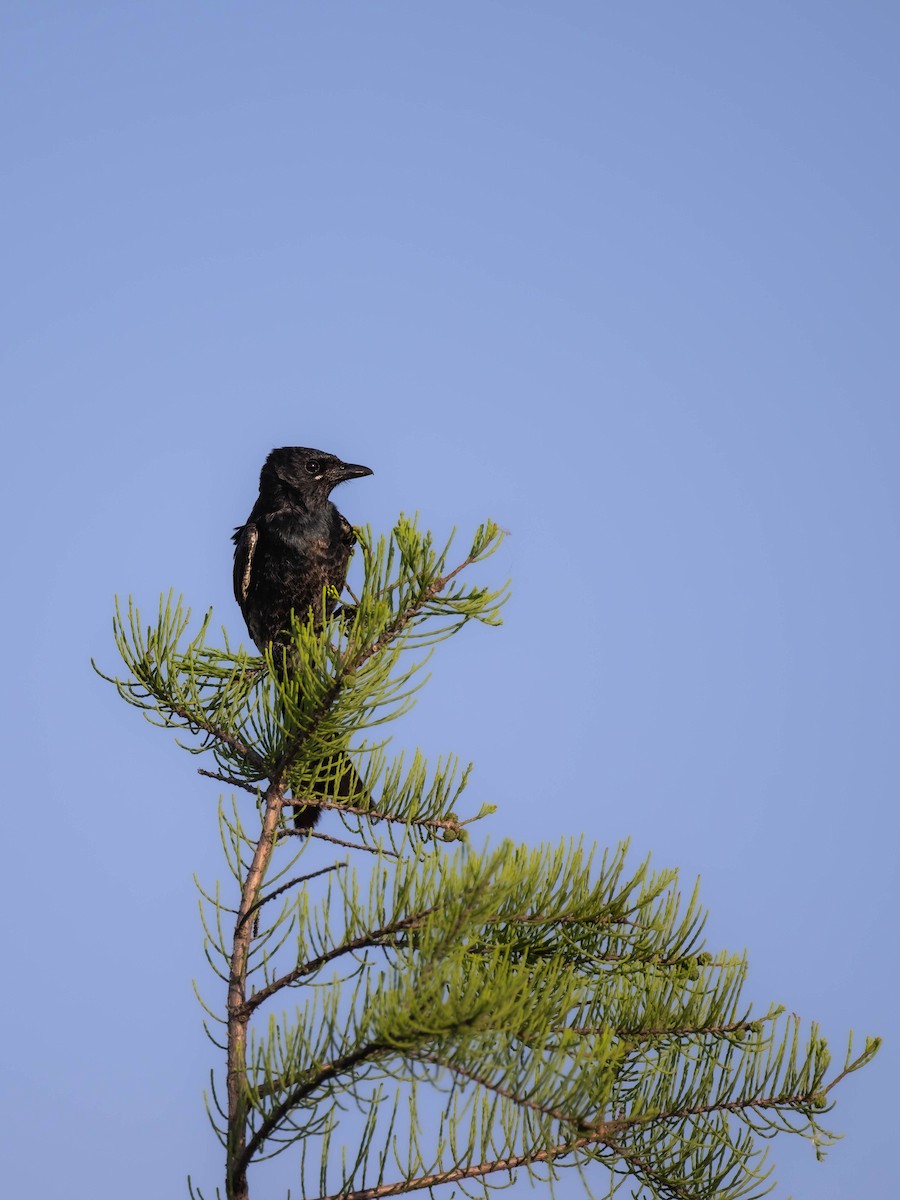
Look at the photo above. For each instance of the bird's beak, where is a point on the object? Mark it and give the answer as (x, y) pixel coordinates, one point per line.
(352, 471)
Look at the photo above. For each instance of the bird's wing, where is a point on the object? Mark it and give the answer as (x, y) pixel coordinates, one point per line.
(245, 545)
(348, 537)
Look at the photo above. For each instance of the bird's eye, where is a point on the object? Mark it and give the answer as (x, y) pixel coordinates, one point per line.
(313, 467)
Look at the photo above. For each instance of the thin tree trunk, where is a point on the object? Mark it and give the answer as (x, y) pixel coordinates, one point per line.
(238, 1017)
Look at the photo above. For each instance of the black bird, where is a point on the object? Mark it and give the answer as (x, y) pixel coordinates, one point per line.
(292, 556)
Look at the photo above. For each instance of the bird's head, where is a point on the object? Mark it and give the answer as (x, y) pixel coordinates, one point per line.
(307, 474)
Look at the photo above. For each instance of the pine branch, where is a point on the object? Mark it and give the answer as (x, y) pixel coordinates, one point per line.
(324, 1073)
(545, 989)
(225, 737)
(873, 1045)
(604, 1135)
(230, 780)
(374, 814)
(327, 837)
(459, 1174)
(354, 663)
(409, 614)
(649, 1032)
(254, 908)
(366, 941)
(491, 1085)
(217, 733)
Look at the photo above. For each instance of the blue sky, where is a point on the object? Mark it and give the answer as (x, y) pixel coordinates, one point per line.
(623, 277)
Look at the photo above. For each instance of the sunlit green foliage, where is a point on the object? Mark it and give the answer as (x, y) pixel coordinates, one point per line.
(557, 1007)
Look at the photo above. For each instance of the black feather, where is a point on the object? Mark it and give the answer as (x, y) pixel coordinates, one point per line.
(291, 556)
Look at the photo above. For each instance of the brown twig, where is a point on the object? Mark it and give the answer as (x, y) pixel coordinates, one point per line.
(327, 837)
(230, 780)
(284, 887)
(289, 832)
(851, 1067)
(365, 941)
(221, 735)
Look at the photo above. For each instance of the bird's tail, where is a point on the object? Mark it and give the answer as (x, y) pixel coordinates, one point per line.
(336, 779)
